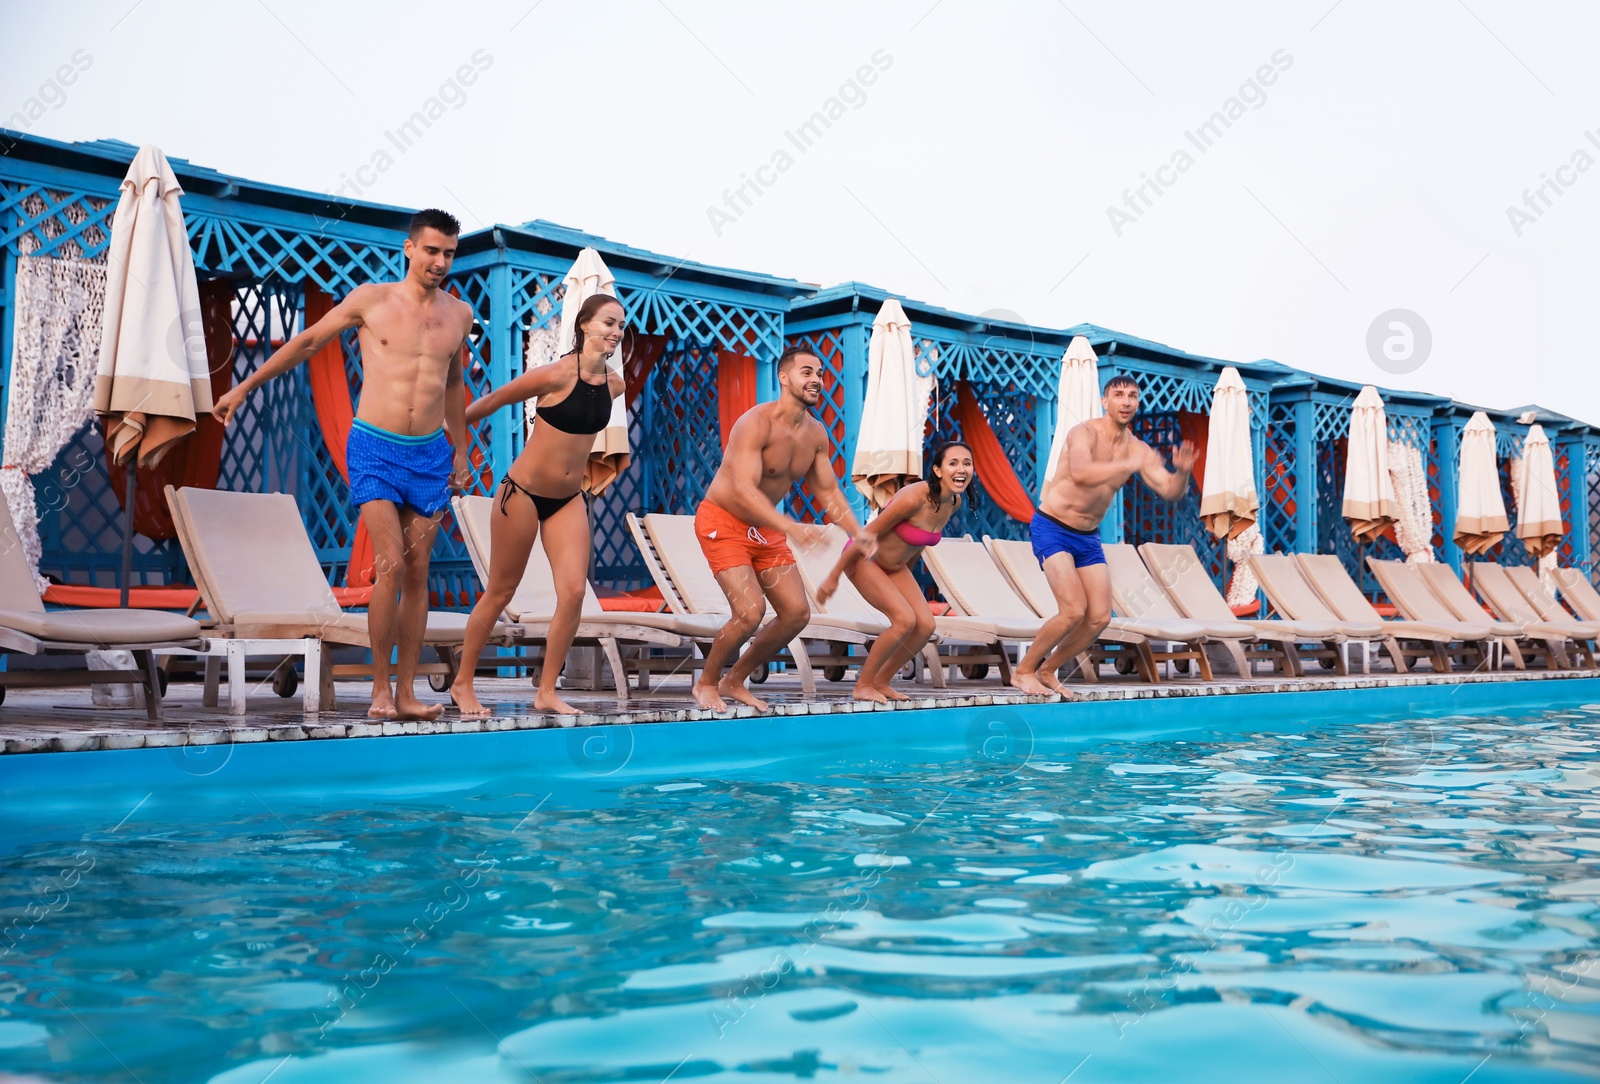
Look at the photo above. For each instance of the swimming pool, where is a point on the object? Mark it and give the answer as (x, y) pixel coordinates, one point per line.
(1399, 885)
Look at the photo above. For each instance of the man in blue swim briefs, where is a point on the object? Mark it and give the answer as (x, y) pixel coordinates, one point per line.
(1097, 459)
(401, 463)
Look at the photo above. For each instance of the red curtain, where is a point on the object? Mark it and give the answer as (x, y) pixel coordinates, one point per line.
(336, 413)
(196, 461)
(1196, 429)
(995, 472)
(736, 389)
(643, 351)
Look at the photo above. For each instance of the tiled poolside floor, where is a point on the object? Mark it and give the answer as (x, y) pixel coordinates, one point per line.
(56, 720)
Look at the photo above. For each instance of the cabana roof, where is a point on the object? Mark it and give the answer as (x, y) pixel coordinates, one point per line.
(544, 238)
(111, 158)
(863, 301)
(1290, 378)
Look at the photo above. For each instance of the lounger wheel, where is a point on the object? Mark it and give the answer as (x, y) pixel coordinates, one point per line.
(2, 694)
(285, 680)
(1124, 663)
(1181, 665)
(836, 673)
(975, 671)
(759, 674)
(439, 682)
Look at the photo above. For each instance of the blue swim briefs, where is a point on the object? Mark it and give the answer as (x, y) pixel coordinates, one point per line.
(387, 466)
(1051, 536)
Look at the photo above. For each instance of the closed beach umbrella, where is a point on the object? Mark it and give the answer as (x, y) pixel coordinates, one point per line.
(1538, 500)
(895, 413)
(1228, 500)
(1369, 502)
(152, 379)
(1077, 397)
(1480, 507)
(588, 276)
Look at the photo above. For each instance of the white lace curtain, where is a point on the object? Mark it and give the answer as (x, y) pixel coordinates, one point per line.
(50, 395)
(1243, 586)
(1413, 527)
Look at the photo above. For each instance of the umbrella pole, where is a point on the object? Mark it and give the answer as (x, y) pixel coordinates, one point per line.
(129, 490)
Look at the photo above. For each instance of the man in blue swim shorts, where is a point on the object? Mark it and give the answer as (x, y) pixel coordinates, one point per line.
(1097, 459)
(408, 446)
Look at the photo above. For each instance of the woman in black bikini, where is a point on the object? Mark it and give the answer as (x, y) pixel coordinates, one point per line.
(539, 494)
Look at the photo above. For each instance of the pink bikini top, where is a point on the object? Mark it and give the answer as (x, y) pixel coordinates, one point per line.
(912, 535)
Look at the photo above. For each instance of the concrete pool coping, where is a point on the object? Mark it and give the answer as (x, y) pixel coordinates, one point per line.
(78, 727)
(604, 752)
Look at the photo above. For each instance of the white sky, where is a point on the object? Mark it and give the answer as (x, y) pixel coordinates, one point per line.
(978, 172)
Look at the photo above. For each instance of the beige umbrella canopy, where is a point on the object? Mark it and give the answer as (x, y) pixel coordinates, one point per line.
(895, 412)
(1228, 499)
(1480, 508)
(152, 379)
(588, 276)
(1369, 502)
(1538, 500)
(1077, 397)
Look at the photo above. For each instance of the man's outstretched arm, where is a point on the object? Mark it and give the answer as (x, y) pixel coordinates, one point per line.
(342, 317)
(1168, 484)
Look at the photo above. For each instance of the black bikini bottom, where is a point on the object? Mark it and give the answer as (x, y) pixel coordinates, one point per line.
(544, 507)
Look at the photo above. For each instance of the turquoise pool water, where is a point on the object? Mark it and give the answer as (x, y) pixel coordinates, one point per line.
(1329, 899)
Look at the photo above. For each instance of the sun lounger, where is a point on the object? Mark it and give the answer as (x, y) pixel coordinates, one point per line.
(1509, 603)
(1425, 620)
(673, 556)
(1016, 560)
(1294, 594)
(1544, 603)
(26, 628)
(1496, 587)
(1523, 641)
(1579, 593)
(266, 593)
(532, 607)
(1135, 593)
(1178, 569)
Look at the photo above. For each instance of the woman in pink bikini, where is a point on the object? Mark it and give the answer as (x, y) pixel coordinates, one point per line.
(913, 519)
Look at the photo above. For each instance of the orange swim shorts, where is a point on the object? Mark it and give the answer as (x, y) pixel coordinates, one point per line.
(729, 542)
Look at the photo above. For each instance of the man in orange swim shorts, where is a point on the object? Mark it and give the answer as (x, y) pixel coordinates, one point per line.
(745, 537)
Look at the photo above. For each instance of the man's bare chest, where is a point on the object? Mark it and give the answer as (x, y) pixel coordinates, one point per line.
(404, 332)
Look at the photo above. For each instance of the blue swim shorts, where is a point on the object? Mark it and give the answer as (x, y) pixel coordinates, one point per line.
(1051, 536)
(387, 466)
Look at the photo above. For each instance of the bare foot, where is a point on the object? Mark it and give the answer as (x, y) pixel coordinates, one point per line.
(1028, 683)
(743, 695)
(466, 699)
(869, 693)
(407, 706)
(892, 693)
(382, 703)
(707, 698)
(551, 704)
(1053, 683)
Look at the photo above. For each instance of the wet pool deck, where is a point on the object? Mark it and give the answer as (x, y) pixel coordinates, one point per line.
(56, 720)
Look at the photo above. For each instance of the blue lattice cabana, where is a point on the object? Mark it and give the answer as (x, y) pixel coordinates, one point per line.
(264, 245)
(1575, 447)
(697, 316)
(1307, 434)
(1012, 370)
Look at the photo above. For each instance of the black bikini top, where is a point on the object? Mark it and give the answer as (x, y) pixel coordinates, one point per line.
(587, 410)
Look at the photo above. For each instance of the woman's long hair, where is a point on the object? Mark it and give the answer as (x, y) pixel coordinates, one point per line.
(938, 459)
(586, 311)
